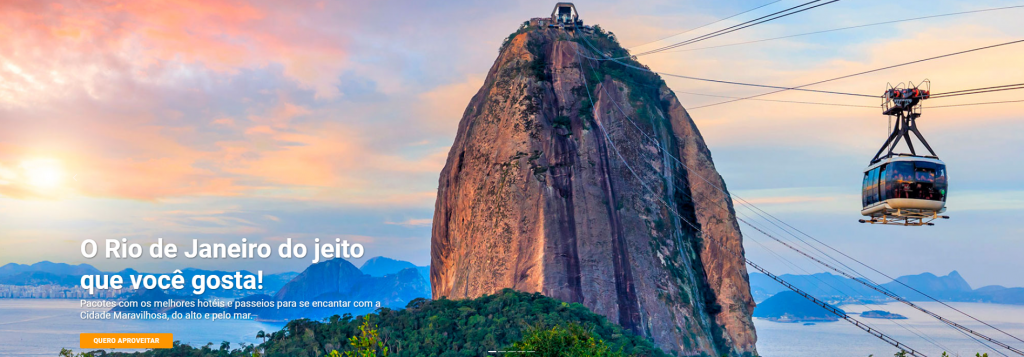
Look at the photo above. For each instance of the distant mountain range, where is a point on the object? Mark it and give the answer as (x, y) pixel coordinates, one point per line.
(839, 289)
(339, 280)
(48, 280)
(381, 266)
(47, 267)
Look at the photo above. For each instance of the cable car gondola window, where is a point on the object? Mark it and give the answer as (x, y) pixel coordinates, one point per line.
(863, 189)
(923, 180)
(902, 179)
(878, 187)
(871, 187)
(932, 178)
(874, 185)
(883, 194)
(924, 172)
(941, 184)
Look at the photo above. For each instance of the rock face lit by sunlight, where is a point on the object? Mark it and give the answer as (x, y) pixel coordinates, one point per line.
(42, 173)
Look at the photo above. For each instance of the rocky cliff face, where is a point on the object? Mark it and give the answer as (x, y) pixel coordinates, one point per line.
(534, 197)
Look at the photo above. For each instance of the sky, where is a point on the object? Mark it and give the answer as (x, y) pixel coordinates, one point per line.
(218, 120)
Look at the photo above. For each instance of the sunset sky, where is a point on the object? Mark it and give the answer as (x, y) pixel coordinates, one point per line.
(220, 120)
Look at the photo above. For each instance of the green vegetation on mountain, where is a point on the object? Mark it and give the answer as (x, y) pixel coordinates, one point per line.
(570, 341)
(879, 314)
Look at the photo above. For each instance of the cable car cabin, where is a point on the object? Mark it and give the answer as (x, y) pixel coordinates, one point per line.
(565, 16)
(900, 188)
(905, 189)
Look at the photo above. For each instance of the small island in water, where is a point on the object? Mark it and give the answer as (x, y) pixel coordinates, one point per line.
(879, 314)
(788, 306)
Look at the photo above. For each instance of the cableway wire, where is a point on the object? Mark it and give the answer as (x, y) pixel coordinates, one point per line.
(942, 106)
(737, 27)
(727, 82)
(896, 297)
(978, 91)
(705, 25)
(944, 95)
(868, 71)
(801, 88)
(755, 85)
(851, 296)
(751, 206)
(845, 28)
(878, 288)
(742, 217)
(815, 103)
(874, 288)
(866, 303)
(761, 99)
(770, 86)
(784, 101)
(983, 103)
(818, 302)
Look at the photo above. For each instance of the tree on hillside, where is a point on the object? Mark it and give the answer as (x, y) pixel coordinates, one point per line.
(64, 352)
(366, 344)
(571, 340)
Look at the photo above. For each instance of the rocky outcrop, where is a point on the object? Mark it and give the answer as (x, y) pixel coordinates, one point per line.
(536, 195)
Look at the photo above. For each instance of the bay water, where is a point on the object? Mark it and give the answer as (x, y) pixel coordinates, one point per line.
(919, 331)
(41, 327)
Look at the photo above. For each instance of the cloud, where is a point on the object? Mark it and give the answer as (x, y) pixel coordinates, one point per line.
(443, 107)
(153, 101)
(90, 41)
(787, 200)
(413, 222)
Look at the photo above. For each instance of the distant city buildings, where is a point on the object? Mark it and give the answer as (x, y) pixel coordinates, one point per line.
(53, 291)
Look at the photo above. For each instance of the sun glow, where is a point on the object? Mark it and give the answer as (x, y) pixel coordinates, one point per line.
(42, 173)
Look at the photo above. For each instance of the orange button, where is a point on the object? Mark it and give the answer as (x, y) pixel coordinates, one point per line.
(125, 340)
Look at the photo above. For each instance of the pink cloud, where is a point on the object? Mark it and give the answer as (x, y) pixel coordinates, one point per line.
(49, 41)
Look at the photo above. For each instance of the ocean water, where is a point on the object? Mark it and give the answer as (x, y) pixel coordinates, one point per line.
(41, 327)
(38, 327)
(919, 331)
